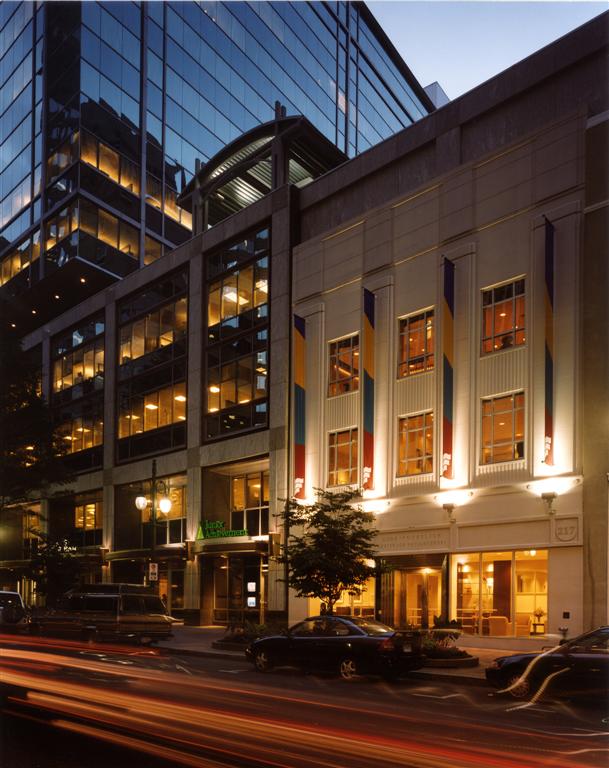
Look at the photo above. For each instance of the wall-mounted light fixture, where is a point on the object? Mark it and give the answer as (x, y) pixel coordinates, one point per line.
(450, 511)
(549, 498)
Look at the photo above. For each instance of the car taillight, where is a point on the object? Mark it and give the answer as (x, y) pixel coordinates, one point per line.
(387, 645)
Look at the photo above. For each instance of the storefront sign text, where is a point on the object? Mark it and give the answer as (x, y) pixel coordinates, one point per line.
(214, 529)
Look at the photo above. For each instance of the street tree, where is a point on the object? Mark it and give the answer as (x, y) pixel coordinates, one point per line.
(330, 546)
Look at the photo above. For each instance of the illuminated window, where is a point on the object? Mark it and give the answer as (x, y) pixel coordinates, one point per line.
(61, 225)
(503, 428)
(415, 452)
(157, 329)
(86, 364)
(236, 353)
(19, 258)
(342, 457)
(88, 516)
(503, 317)
(81, 426)
(173, 210)
(343, 373)
(250, 503)
(110, 163)
(153, 250)
(139, 413)
(416, 352)
(243, 291)
(110, 230)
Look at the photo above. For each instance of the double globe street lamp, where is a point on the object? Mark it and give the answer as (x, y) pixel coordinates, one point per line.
(158, 488)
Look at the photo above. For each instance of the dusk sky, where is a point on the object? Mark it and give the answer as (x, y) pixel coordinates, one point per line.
(462, 44)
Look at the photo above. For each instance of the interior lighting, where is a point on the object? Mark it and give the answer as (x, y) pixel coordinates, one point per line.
(214, 389)
(13, 325)
(29, 447)
(83, 280)
(57, 296)
(152, 407)
(33, 311)
(180, 398)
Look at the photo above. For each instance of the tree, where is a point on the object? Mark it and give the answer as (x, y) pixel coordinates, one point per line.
(54, 566)
(331, 552)
(32, 452)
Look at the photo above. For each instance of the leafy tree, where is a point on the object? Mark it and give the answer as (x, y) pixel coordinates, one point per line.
(32, 459)
(332, 549)
(54, 566)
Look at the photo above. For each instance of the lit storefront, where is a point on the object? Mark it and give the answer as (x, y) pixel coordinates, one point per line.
(500, 593)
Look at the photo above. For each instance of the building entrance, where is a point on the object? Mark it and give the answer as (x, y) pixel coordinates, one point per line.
(414, 590)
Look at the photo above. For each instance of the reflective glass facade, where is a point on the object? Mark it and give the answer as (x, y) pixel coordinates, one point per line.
(110, 107)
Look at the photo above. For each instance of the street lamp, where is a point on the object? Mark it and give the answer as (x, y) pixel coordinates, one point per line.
(141, 502)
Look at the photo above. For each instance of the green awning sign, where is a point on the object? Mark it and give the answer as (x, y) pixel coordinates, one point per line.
(214, 529)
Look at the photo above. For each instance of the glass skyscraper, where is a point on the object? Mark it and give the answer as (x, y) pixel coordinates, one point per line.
(106, 110)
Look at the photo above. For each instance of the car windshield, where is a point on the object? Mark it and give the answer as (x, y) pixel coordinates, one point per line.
(371, 627)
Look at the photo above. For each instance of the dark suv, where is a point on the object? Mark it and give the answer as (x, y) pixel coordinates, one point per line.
(108, 612)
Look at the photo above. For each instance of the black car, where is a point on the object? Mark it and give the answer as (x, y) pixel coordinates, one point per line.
(577, 668)
(348, 646)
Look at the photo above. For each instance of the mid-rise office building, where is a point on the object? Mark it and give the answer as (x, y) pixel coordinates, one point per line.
(439, 304)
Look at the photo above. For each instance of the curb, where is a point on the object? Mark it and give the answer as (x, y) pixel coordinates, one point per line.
(415, 675)
(444, 678)
(206, 654)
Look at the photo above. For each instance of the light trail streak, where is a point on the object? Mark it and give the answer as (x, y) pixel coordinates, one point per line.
(235, 735)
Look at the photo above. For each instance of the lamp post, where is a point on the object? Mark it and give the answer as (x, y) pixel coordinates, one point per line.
(141, 502)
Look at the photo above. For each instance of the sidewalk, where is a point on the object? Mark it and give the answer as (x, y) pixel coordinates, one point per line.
(197, 641)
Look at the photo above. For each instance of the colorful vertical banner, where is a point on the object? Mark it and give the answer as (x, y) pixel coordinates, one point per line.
(299, 407)
(368, 392)
(548, 453)
(448, 344)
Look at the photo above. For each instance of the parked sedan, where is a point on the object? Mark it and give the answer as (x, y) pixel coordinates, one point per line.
(14, 616)
(577, 668)
(349, 646)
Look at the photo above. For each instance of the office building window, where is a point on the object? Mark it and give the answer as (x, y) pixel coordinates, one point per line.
(502, 428)
(342, 457)
(343, 370)
(61, 225)
(84, 366)
(110, 230)
(152, 367)
(415, 444)
(78, 360)
(109, 162)
(417, 343)
(88, 515)
(62, 157)
(237, 337)
(250, 503)
(155, 330)
(503, 316)
(238, 300)
(19, 258)
(144, 411)
(81, 424)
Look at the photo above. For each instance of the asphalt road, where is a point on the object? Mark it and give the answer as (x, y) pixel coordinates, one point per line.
(70, 705)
